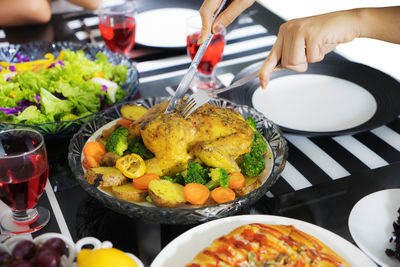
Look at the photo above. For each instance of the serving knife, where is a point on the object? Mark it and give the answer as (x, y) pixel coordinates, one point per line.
(187, 79)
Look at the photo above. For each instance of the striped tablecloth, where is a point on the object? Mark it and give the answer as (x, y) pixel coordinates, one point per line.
(311, 161)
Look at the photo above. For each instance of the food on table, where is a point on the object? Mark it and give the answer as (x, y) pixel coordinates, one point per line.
(129, 193)
(267, 245)
(396, 239)
(166, 194)
(212, 157)
(26, 253)
(61, 88)
(104, 257)
(105, 176)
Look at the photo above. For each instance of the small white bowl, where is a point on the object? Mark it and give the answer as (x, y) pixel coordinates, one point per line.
(72, 248)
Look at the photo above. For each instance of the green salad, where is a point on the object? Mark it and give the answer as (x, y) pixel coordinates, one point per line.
(58, 89)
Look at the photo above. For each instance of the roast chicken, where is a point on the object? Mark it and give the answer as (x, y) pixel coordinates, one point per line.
(212, 135)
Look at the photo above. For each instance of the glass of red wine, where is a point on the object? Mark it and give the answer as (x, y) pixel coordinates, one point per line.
(117, 25)
(23, 176)
(205, 78)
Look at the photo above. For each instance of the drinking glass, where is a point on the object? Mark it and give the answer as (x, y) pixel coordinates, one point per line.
(23, 176)
(117, 25)
(205, 78)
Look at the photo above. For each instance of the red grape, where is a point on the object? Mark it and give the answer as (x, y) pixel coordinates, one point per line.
(56, 244)
(48, 258)
(21, 263)
(24, 250)
(5, 257)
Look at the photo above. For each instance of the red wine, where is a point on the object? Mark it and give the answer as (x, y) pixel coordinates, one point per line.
(22, 177)
(118, 33)
(213, 54)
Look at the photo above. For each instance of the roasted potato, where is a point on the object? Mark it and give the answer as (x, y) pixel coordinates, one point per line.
(109, 159)
(133, 112)
(251, 184)
(105, 176)
(166, 194)
(129, 193)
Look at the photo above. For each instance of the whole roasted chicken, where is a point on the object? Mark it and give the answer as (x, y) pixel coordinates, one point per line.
(213, 135)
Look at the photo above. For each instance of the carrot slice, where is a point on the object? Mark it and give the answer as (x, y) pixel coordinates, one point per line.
(125, 123)
(222, 194)
(196, 194)
(94, 149)
(236, 180)
(90, 162)
(143, 181)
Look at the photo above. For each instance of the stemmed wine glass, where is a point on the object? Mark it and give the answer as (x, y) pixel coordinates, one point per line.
(205, 78)
(117, 25)
(23, 176)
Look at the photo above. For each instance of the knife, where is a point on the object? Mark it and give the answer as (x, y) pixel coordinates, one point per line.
(187, 79)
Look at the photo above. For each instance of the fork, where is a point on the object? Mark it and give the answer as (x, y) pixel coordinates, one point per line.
(200, 97)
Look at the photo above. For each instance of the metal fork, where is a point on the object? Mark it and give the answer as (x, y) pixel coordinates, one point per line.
(200, 97)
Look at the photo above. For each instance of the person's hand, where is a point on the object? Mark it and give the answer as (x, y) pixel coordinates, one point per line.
(208, 9)
(308, 39)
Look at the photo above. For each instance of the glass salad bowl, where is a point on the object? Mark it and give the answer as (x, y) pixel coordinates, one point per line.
(187, 214)
(38, 50)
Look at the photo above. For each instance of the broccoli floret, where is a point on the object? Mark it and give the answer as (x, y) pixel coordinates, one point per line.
(220, 176)
(137, 146)
(118, 141)
(178, 179)
(196, 173)
(252, 122)
(253, 164)
(259, 145)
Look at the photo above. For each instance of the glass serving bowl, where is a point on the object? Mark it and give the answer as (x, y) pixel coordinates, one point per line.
(37, 50)
(187, 214)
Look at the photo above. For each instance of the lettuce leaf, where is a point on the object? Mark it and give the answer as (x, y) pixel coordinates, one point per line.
(31, 115)
(53, 106)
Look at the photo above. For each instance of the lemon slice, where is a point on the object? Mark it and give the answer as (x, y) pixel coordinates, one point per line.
(104, 257)
(132, 165)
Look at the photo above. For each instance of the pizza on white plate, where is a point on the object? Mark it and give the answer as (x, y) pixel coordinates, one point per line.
(261, 245)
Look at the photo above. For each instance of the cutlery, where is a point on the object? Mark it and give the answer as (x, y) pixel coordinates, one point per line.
(185, 82)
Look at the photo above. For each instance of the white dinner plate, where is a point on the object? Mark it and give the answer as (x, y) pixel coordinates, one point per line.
(371, 224)
(315, 103)
(185, 247)
(334, 97)
(164, 27)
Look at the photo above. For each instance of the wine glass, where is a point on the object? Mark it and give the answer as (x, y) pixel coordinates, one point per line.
(205, 78)
(23, 176)
(117, 25)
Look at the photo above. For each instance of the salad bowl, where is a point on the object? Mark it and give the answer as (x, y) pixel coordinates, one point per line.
(186, 214)
(38, 50)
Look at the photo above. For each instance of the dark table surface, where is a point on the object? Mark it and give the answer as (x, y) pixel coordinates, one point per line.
(326, 203)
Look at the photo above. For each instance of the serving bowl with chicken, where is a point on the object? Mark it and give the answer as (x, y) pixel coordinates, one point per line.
(214, 143)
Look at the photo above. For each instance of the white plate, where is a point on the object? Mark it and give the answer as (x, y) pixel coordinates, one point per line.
(164, 27)
(371, 224)
(186, 246)
(315, 103)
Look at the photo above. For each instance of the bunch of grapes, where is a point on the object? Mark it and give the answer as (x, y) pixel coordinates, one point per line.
(27, 254)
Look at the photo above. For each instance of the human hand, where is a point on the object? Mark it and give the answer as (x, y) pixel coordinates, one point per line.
(308, 40)
(208, 9)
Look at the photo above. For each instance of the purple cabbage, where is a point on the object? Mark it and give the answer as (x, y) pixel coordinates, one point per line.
(12, 68)
(8, 79)
(22, 58)
(12, 111)
(104, 88)
(22, 105)
(37, 97)
(52, 65)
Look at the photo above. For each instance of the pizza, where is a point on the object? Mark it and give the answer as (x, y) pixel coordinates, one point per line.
(259, 245)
